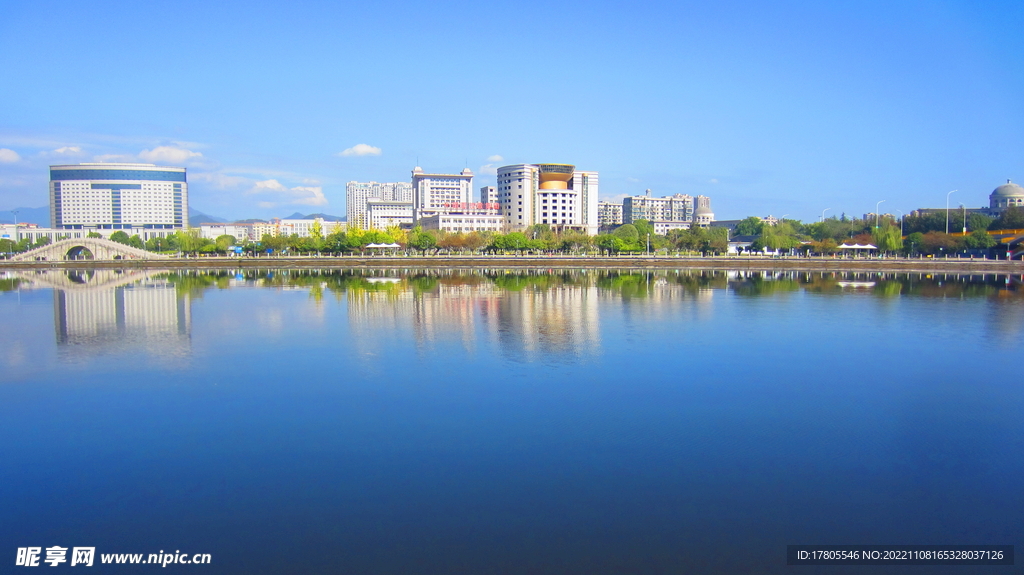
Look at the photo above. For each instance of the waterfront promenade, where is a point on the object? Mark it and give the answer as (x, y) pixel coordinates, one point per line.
(916, 264)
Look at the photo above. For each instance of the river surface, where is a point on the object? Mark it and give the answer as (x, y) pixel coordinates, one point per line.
(507, 422)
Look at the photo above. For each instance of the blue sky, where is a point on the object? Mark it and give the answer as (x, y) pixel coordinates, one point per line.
(768, 107)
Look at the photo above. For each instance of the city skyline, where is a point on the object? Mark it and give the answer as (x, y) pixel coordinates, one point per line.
(784, 110)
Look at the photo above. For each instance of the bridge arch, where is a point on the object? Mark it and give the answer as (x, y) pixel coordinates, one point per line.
(98, 248)
(79, 252)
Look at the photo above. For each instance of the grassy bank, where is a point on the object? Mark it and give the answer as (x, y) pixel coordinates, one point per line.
(951, 265)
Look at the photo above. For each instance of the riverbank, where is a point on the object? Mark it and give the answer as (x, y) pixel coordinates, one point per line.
(925, 265)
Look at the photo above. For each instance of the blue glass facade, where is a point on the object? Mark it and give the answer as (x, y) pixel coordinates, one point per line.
(117, 187)
(152, 175)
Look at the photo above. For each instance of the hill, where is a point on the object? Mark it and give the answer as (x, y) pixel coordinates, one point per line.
(38, 216)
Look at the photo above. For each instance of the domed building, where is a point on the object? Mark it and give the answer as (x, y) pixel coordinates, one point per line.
(1006, 195)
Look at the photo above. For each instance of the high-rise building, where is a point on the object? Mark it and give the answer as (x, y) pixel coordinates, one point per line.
(143, 199)
(558, 195)
(489, 195)
(678, 211)
(609, 214)
(434, 194)
(358, 193)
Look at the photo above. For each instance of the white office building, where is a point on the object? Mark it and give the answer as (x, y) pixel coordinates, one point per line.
(489, 195)
(558, 195)
(436, 193)
(358, 193)
(143, 199)
(382, 214)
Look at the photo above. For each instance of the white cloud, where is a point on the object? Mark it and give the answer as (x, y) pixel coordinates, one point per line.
(68, 150)
(266, 204)
(713, 181)
(314, 196)
(115, 158)
(634, 180)
(8, 156)
(488, 170)
(169, 154)
(220, 180)
(495, 158)
(299, 195)
(361, 150)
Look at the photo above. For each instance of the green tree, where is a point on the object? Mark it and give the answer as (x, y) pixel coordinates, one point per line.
(888, 239)
(914, 242)
(980, 240)
(316, 231)
(643, 228)
(627, 233)
(120, 237)
(939, 243)
(224, 242)
(157, 244)
(94, 235)
(422, 241)
(1011, 219)
(978, 222)
(749, 227)
(136, 242)
(610, 243)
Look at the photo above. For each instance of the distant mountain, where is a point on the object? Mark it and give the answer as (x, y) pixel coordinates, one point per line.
(326, 217)
(251, 221)
(38, 216)
(195, 217)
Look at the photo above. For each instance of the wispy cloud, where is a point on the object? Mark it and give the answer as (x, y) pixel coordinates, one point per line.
(488, 170)
(495, 158)
(299, 195)
(221, 180)
(68, 150)
(360, 150)
(170, 154)
(8, 156)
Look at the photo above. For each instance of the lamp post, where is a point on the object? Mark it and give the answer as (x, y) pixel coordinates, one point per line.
(15, 212)
(947, 210)
(648, 243)
(823, 214)
(901, 222)
(876, 212)
(964, 208)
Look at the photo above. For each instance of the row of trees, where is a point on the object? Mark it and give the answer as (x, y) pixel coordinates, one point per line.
(639, 237)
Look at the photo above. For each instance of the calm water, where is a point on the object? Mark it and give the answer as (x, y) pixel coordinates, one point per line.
(508, 422)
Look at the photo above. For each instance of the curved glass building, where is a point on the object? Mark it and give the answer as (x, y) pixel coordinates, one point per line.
(143, 199)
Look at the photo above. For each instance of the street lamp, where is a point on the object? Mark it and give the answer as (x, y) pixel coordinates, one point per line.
(876, 212)
(823, 214)
(964, 208)
(648, 243)
(901, 221)
(947, 210)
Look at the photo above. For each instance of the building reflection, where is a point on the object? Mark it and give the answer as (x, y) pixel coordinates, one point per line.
(104, 311)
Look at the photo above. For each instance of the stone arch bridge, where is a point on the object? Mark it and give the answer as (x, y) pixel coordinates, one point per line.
(85, 249)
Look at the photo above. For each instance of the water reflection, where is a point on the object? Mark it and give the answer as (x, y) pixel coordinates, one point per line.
(524, 314)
